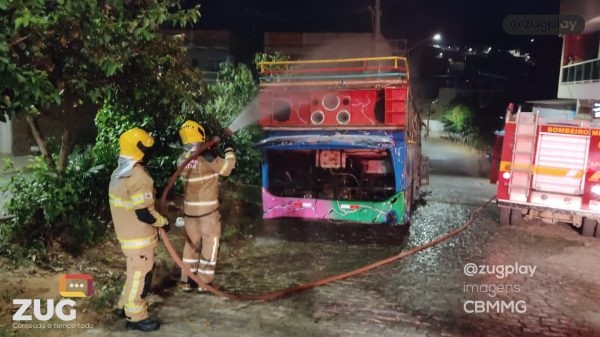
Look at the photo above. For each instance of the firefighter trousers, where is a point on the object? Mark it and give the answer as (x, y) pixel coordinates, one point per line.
(201, 255)
(137, 284)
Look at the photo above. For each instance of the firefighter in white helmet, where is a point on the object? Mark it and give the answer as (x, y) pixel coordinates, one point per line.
(201, 205)
(131, 193)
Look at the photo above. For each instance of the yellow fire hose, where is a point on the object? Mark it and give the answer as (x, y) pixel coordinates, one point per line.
(287, 291)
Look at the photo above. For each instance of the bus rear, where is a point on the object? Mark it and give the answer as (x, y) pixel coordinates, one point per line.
(341, 140)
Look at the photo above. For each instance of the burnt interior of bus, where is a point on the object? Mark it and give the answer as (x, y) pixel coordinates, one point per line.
(352, 174)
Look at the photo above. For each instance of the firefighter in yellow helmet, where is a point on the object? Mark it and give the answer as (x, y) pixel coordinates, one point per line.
(201, 205)
(131, 193)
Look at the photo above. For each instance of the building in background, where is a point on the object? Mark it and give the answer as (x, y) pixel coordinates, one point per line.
(579, 78)
(206, 49)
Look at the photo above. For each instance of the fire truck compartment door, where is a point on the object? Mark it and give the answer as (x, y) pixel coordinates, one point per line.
(560, 163)
(326, 142)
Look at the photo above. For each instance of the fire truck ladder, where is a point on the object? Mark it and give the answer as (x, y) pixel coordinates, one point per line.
(522, 156)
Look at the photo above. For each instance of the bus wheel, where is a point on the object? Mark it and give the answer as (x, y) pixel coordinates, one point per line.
(516, 217)
(588, 228)
(504, 216)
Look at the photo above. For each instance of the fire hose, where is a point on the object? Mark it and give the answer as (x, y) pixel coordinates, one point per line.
(287, 291)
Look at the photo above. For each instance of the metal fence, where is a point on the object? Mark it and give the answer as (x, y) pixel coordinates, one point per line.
(587, 71)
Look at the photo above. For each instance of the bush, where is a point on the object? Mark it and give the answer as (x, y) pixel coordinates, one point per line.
(70, 209)
(50, 208)
(462, 123)
(232, 97)
(111, 121)
(474, 124)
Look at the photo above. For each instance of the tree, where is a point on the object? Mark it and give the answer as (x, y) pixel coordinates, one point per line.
(58, 56)
(232, 95)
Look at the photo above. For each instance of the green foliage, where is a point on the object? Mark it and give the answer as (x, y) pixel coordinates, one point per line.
(79, 50)
(50, 208)
(59, 55)
(460, 119)
(264, 57)
(112, 122)
(473, 123)
(232, 96)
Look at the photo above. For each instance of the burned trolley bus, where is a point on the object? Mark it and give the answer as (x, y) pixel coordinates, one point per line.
(342, 140)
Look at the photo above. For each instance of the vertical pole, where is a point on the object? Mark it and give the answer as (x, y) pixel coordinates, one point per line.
(428, 118)
(377, 18)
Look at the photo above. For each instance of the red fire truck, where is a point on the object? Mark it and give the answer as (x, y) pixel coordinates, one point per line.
(550, 170)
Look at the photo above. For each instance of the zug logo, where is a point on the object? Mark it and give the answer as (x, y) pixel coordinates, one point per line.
(51, 310)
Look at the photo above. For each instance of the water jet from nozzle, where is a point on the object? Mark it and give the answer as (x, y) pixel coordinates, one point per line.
(248, 116)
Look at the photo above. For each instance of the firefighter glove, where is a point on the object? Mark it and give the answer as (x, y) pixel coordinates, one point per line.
(161, 222)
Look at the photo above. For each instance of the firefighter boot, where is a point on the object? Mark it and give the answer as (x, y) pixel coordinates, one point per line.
(203, 290)
(147, 324)
(119, 312)
(187, 286)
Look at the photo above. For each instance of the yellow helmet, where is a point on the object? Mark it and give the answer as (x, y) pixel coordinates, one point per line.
(134, 143)
(191, 132)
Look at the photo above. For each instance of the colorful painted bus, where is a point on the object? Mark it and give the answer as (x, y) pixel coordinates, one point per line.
(342, 140)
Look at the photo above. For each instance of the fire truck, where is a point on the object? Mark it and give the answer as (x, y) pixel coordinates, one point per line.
(342, 140)
(549, 169)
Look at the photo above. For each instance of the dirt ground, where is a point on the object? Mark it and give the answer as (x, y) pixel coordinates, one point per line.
(106, 264)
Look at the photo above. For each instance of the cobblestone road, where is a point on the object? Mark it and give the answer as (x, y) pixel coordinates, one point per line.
(424, 295)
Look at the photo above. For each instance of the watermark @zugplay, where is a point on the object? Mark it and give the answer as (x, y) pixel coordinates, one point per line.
(543, 24)
(500, 271)
(507, 303)
(37, 313)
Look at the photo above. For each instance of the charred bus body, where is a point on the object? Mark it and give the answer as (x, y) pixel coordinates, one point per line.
(342, 140)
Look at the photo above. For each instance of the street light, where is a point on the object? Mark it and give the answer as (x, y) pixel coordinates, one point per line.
(437, 38)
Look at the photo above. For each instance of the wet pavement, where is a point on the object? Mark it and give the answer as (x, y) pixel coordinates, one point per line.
(428, 294)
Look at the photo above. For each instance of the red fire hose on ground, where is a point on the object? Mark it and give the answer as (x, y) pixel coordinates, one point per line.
(287, 291)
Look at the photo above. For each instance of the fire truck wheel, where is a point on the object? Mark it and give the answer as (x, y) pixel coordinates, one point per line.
(516, 217)
(504, 216)
(588, 228)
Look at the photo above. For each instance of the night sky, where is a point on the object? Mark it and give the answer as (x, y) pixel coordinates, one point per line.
(460, 21)
(464, 23)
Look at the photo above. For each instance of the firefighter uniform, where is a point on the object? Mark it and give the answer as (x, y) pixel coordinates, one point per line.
(131, 193)
(201, 204)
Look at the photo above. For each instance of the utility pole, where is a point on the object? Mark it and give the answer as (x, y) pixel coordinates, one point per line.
(376, 20)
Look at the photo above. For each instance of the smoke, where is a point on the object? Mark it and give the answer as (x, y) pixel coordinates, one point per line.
(326, 46)
(345, 45)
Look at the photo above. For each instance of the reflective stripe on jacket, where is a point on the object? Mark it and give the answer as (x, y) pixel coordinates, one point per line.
(126, 195)
(201, 182)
